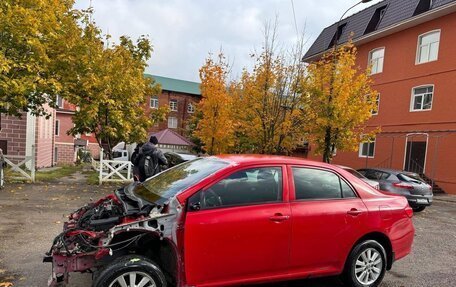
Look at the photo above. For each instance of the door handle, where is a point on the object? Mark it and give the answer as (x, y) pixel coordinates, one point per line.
(354, 212)
(279, 217)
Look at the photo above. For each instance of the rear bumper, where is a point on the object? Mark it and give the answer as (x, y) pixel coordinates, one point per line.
(402, 235)
(420, 200)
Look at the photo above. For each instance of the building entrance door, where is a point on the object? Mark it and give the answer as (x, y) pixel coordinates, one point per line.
(415, 156)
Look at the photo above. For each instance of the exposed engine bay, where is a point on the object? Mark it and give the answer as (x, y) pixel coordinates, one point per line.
(100, 231)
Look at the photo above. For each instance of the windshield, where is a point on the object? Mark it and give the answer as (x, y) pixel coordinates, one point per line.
(160, 188)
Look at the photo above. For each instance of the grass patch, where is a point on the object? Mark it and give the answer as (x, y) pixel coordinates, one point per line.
(54, 174)
(92, 176)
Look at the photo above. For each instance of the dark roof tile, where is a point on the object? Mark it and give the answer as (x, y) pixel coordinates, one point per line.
(396, 12)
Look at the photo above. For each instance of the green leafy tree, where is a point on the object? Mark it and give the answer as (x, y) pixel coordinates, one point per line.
(30, 30)
(108, 86)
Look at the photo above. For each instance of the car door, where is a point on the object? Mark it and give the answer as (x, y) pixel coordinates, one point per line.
(238, 228)
(328, 218)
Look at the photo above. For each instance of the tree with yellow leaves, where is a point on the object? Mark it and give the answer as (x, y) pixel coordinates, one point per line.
(270, 108)
(215, 129)
(341, 100)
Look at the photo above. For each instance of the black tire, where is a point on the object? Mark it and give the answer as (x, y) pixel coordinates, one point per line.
(128, 264)
(418, 208)
(349, 276)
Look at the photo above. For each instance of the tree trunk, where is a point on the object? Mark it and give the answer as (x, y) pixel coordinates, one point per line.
(327, 148)
(211, 150)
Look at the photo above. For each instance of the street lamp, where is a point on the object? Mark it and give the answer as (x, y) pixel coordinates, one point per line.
(329, 150)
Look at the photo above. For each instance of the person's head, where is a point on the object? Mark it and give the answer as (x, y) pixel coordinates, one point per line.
(153, 139)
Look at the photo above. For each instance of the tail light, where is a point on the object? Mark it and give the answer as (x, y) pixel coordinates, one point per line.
(403, 185)
(409, 211)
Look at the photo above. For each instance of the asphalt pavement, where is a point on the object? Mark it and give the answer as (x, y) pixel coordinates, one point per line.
(31, 215)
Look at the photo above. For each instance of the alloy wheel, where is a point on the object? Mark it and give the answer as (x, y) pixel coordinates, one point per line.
(368, 266)
(133, 279)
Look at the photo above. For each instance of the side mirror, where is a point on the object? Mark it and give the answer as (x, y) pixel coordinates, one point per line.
(195, 206)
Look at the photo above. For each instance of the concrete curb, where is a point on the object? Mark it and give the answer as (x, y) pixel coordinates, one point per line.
(451, 199)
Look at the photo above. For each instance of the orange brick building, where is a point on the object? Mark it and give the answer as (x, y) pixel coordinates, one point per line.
(411, 47)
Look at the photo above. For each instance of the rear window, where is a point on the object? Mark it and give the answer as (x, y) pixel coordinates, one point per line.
(355, 173)
(410, 177)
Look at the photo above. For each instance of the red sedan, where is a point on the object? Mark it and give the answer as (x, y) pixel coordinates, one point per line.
(232, 220)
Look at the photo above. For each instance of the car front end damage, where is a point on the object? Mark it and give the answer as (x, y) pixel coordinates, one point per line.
(115, 225)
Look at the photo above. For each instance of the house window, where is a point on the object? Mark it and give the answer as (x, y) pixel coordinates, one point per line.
(4, 146)
(423, 6)
(428, 47)
(173, 105)
(376, 59)
(172, 123)
(422, 98)
(190, 108)
(367, 149)
(377, 106)
(57, 127)
(59, 102)
(337, 35)
(154, 102)
(375, 20)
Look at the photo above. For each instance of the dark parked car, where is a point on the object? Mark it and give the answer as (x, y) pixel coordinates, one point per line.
(236, 220)
(411, 185)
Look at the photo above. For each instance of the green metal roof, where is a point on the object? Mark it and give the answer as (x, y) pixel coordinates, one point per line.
(175, 85)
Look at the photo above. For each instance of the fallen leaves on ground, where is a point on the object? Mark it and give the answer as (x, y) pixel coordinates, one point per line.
(6, 284)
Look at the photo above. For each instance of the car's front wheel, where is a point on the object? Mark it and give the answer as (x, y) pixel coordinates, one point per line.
(366, 265)
(131, 271)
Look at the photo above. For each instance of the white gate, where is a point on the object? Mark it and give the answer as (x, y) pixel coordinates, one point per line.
(114, 170)
(19, 164)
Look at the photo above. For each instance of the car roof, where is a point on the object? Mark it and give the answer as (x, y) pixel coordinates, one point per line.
(388, 170)
(247, 159)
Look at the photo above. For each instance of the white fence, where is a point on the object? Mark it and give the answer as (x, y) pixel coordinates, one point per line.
(24, 166)
(113, 170)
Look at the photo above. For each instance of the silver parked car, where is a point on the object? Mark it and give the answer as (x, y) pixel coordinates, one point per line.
(411, 185)
(372, 183)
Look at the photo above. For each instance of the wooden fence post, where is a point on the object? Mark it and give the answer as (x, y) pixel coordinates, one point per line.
(33, 163)
(100, 175)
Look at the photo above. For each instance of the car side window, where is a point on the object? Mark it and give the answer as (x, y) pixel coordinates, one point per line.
(347, 191)
(319, 184)
(246, 187)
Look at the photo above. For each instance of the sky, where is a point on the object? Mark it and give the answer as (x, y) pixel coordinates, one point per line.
(184, 32)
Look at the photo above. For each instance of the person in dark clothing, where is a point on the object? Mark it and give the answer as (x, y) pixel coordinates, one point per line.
(150, 159)
(134, 158)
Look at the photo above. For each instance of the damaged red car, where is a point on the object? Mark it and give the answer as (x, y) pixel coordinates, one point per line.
(235, 220)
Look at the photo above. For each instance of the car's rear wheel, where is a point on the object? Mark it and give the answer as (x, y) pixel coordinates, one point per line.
(366, 265)
(418, 208)
(131, 271)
